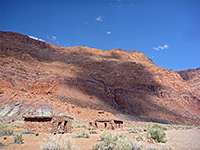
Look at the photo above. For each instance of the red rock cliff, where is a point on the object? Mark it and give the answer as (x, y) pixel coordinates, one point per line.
(37, 77)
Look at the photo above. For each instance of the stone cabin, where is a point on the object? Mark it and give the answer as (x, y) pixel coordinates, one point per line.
(48, 124)
(110, 124)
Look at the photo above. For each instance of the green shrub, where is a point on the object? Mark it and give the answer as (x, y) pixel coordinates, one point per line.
(78, 126)
(58, 143)
(18, 139)
(16, 126)
(83, 134)
(6, 130)
(114, 142)
(157, 133)
(36, 134)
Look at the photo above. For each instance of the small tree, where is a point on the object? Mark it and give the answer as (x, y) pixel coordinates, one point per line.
(157, 133)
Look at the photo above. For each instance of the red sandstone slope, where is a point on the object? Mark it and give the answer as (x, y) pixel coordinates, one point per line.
(39, 78)
(192, 77)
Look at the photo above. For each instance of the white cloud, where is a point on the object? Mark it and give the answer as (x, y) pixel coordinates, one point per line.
(117, 4)
(54, 38)
(109, 32)
(100, 18)
(161, 47)
(35, 38)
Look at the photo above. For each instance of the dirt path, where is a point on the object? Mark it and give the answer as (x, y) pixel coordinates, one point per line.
(184, 139)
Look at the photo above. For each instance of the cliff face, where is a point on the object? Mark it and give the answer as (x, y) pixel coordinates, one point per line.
(192, 77)
(87, 83)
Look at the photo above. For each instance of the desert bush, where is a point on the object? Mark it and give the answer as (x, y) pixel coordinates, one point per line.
(18, 139)
(80, 126)
(131, 130)
(16, 126)
(36, 134)
(141, 137)
(6, 130)
(114, 142)
(92, 130)
(137, 127)
(58, 143)
(157, 133)
(138, 143)
(1, 143)
(83, 134)
(177, 127)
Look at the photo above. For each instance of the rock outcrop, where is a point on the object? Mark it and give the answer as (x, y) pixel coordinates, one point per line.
(192, 77)
(40, 78)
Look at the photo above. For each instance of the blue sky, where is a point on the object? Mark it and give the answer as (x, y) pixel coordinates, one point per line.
(166, 31)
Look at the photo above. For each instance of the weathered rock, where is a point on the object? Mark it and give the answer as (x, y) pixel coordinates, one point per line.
(192, 77)
(82, 81)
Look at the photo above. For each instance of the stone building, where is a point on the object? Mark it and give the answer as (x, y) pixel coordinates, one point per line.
(48, 124)
(110, 124)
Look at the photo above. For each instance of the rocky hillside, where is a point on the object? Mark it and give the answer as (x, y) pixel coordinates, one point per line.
(192, 77)
(87, 83)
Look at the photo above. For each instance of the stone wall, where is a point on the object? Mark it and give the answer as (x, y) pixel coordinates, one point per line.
(49, 125)
(55, 122)
(44, 127)
(109, 125)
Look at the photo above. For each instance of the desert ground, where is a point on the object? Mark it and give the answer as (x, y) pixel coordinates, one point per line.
(179, 137)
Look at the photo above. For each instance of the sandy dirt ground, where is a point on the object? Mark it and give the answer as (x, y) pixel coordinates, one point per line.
(188, 139)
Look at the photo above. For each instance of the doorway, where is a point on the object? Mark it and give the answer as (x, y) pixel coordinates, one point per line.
(59, 125)
(105, 125)
(66, 126)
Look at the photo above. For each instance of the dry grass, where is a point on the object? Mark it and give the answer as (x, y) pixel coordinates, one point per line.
(114, 142)
(83, 134)
(58, 142)
(6, 130)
